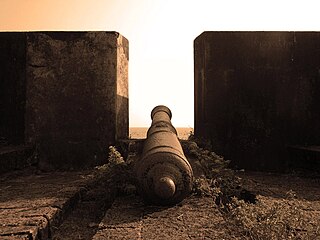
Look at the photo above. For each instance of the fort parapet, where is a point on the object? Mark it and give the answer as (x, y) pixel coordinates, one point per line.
(256, 93)
(64, 92)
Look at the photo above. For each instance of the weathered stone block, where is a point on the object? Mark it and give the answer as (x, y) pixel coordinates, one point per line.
(76, 95)
(256, 93)
(12, 88)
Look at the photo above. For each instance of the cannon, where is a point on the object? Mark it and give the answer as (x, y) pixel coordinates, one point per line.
(163, 173)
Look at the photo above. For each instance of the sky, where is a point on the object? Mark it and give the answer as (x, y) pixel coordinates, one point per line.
(160, 34)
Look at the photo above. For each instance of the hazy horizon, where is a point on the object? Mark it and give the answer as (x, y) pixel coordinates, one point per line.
(141, 132)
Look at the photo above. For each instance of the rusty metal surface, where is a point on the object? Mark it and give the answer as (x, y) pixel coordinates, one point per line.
(163, 172)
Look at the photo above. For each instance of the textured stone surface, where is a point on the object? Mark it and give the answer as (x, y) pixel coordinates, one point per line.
(200, 218)
(122, 100)
(33, 205)
(12, 87)
(256, 92)
(66, 93)
(16, 157)
(129, 218)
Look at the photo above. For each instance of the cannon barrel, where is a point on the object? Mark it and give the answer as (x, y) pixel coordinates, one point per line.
(163, 172)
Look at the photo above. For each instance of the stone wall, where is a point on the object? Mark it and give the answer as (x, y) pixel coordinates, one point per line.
(122, 103)
(12, 88)
(76, 95)
(256, 93)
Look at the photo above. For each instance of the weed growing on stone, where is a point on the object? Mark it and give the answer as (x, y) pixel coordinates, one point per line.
(276, 219)
(115, 160)
(117, 172)
(216, 180)
(200, 141)
(249, 216)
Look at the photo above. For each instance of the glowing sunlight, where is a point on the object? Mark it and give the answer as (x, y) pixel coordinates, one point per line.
(160, 34)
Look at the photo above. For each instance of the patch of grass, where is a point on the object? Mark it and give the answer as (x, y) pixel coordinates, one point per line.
(217, 180)
(273, 219)
(200, 141)
(250, 216)
(118, 173)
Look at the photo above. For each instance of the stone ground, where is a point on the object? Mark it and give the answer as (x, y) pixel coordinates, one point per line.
(200, 217)
(33, 205)
(194, 218)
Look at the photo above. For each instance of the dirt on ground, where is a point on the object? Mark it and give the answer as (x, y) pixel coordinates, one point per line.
(257, 205)
(287, 207)
(34, 203)
(84, 221)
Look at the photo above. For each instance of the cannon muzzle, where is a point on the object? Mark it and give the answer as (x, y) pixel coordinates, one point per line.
(163, 172)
